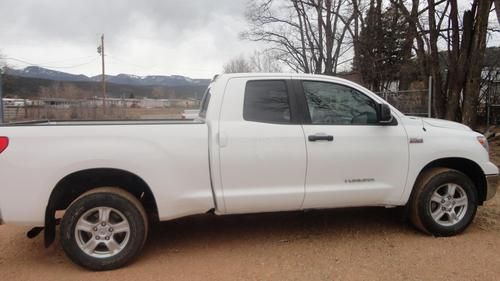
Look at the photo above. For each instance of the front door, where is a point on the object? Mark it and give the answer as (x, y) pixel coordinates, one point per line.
(352, 159)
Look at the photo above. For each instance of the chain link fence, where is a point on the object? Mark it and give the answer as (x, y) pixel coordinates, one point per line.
(16, 110)
(411, 102)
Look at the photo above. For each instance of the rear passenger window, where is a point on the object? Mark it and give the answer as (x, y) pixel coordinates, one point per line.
(266, 101)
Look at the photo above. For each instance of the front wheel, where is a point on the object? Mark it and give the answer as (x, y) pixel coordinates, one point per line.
(444, 202)
(104, 229)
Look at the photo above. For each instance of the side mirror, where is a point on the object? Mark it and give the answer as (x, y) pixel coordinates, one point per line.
(384, 113)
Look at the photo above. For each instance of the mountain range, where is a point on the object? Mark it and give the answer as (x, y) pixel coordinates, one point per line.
(121, 79)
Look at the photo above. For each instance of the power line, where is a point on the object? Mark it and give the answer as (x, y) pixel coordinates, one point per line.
(68, 60)
(48, 66)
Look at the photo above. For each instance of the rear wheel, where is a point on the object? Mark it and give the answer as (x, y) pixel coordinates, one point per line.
(104, 229)
(443, 203)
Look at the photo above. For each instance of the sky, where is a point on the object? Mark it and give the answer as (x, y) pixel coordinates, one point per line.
(187, 37)
(154, 37)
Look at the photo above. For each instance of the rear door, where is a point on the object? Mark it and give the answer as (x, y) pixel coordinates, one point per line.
(262, 148)
(352, 159)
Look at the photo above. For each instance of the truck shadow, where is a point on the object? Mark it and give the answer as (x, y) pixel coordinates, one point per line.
(283, 227)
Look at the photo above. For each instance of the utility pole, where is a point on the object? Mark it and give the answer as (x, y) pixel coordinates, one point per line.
(100, 50)
(1, 98)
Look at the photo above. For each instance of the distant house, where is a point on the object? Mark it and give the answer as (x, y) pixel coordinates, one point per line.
(353, 76)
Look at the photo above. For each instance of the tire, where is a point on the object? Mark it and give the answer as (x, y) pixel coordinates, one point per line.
(104, 229)
(443, 202)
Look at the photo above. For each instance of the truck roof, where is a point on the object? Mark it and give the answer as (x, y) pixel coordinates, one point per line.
(287, 75)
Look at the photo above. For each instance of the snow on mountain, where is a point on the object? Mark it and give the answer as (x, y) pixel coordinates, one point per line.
(124, 79)
(44, 73)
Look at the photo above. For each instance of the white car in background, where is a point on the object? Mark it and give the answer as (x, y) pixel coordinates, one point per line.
(190, 114)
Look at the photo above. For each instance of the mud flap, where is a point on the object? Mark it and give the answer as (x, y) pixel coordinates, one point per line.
(50, 226)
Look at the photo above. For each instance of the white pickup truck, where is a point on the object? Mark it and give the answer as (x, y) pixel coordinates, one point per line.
(262, 143)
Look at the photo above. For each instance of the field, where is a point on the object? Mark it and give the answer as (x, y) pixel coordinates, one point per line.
(344, 244)
(19, 114)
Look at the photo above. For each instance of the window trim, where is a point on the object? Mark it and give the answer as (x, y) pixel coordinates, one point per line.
(205, 100)
(292, 102)
(306, 115)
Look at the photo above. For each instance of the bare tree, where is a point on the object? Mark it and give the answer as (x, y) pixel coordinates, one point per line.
(264, 61)
(497, 7)
(477, 27)
(381, 50)
(457, 74)
(313, 35)
(237, 65)
(307, 35)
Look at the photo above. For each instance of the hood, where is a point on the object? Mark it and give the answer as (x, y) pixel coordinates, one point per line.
(445, 124)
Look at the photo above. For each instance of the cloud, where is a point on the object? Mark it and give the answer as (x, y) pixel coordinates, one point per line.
(192, 37)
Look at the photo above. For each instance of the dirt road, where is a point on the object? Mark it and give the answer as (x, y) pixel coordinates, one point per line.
(346, 244)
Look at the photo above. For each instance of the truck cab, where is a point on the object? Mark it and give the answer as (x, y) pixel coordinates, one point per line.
(290, 142)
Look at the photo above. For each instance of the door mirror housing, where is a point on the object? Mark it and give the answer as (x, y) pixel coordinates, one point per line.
(384, 114)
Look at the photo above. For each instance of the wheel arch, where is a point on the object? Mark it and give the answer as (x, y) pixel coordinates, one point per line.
(75, 184)
(466, 166)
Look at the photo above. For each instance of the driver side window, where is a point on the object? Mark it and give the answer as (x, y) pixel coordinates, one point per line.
(333, 104)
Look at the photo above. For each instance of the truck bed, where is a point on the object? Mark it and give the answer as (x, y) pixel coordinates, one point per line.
(171, 157)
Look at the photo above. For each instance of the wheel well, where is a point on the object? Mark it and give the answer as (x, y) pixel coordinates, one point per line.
(466, 166)
(75, 184)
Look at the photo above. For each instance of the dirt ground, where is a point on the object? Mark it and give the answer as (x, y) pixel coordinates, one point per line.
(344, 244)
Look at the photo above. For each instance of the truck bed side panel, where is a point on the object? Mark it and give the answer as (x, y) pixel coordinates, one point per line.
(171, 158)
